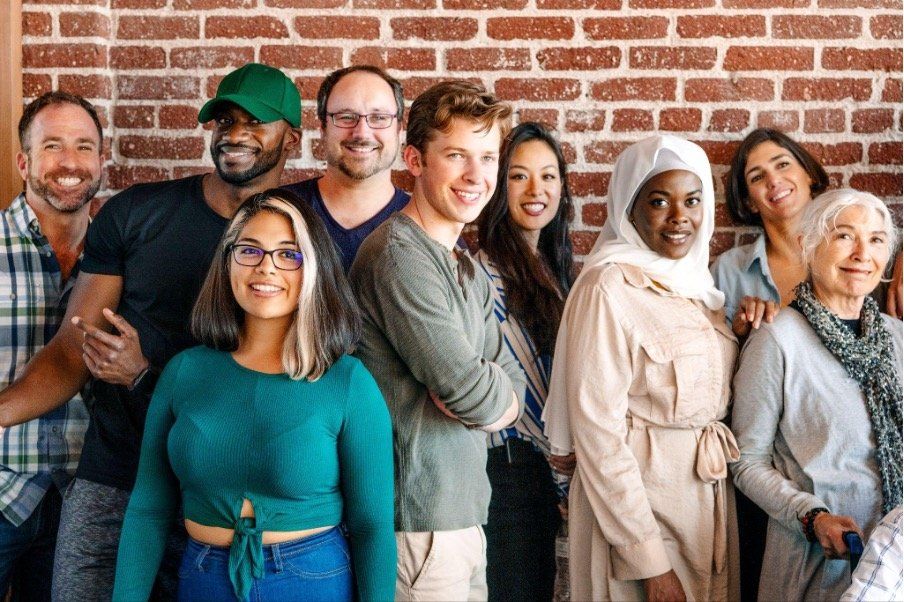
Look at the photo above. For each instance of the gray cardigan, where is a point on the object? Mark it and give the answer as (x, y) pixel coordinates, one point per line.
(427, 328)
(806, 441)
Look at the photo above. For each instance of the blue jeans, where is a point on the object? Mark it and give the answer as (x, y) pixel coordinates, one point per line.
(312, 568)
(26, 551)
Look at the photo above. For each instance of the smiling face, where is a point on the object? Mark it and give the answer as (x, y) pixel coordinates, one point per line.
(534, 186)
(456, 173)
(668, 211)
(243, 147)
(361, 152)
(849, 263)
(62, 164)
(778, 186)
(265, 292)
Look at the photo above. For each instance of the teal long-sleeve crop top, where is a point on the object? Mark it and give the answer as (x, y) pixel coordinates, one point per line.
(306, 454)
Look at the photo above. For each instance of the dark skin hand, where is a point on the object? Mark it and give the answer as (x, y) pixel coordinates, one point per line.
(116, 359)
(829, 529)
(563, 464)
(752, 311)
(664, 588)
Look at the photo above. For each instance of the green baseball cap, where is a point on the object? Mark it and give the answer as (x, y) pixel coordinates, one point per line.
(264, 91)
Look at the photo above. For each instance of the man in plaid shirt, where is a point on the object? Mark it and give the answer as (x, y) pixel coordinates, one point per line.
(41, 238)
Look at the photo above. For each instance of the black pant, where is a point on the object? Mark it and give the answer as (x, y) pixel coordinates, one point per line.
(752, 523)
(523, 522)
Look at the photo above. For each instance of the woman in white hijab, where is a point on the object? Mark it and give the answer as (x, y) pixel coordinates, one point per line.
(641, 378)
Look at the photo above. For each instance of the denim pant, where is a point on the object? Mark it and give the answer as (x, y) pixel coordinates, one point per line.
(26, 551)
(313, 568)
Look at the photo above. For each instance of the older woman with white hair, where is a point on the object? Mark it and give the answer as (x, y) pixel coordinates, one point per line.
(818, 403)
(641, 380)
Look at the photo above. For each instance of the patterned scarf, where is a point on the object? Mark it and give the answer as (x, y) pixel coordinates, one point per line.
(870, 360)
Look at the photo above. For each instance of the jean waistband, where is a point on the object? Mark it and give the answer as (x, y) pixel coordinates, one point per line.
(283, 548)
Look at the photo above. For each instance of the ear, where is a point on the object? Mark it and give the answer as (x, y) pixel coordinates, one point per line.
(22, 164)
(292, 139)
(414, 160)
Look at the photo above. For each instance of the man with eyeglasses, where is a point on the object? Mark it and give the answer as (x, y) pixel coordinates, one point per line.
(360, 110)
(146, 254)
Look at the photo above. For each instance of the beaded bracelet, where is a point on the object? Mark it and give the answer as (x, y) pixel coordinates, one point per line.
(807, 521)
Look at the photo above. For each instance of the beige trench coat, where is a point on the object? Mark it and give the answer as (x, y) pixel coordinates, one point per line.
(648, 382)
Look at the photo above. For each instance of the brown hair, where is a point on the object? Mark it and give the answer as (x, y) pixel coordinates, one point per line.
(435, 109)
(48, 99)
(330, 81)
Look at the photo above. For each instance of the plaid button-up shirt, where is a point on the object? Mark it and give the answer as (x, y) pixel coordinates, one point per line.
(45, 451)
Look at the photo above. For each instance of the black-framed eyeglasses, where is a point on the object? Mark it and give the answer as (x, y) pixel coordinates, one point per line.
(347, 120)
(283, 259)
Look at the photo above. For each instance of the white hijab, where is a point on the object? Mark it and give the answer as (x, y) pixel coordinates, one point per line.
(620, 242)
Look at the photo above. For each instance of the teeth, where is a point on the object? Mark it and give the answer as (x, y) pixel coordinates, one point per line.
(533, 207)
(68, 181)
(467, 196)
(781, 195)
(265, 288)
(674, 236)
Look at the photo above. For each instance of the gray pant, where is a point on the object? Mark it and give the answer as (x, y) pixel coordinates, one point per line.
(85, 563)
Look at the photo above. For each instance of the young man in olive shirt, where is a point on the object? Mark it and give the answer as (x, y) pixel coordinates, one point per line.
(434, 345)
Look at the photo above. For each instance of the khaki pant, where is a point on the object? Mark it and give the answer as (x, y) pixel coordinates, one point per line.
(441, 565)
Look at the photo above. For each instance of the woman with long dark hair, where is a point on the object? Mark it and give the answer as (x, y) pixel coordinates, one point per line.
(526, 252)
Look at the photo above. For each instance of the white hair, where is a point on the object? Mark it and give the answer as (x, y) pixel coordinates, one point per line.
(820, 214)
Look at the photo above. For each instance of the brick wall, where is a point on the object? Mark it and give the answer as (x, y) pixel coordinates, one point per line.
(603, 72)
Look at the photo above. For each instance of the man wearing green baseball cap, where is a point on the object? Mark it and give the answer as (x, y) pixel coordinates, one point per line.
(146, 254)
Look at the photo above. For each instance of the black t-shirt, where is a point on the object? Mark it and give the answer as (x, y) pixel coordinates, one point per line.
(347, 240)
(160, 238)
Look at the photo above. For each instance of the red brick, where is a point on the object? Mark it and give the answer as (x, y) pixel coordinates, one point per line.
(660, 4)
(723, 217)
(843, 153)
(768, 58)
(720, 242)
(785, 121)
(64, 55)
(589, 184)
(632, 89)
(603, 151)
(799, 88)
(415, 59)
(680, 120)
(766, 3)
(36, 24)
(892, 90)
(120, 177)
(209, 4)
(483, 4)
(304, 3)
(433, 28)
(150, 87)
(133, 116)
(530, 28)
(821, 121)
(671, 57)
(729, 120)
(716, 26)
(308, 86)
(626, 28)
(585, 120)
(856, 59)
(569, 152)
(885, 153)
(128, 3)
(302, 57)
(396, 4)
(210, 57)
(629, 120)
(414, 86)
(885, 27)
(309, 119)
(860, 4)
(336, 27)
(565, 4)
(488, 59)
(158, 28)
(537, 89)
(245, 27)
(35, 84)
(137, 57)
(719, 152)
(722, 90)
(158, 147)
(594, 214)
(549, 117)
(178, 117)
(871, 121)
(89, 86)
(74, 25)
(579, 59)
(880, 184)
(583, 240)
(815, 27)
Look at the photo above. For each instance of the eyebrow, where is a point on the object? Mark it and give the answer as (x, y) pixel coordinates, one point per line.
(59, 139)
(775, 158)
(849, 227)
(513, 165)
(668, 193)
